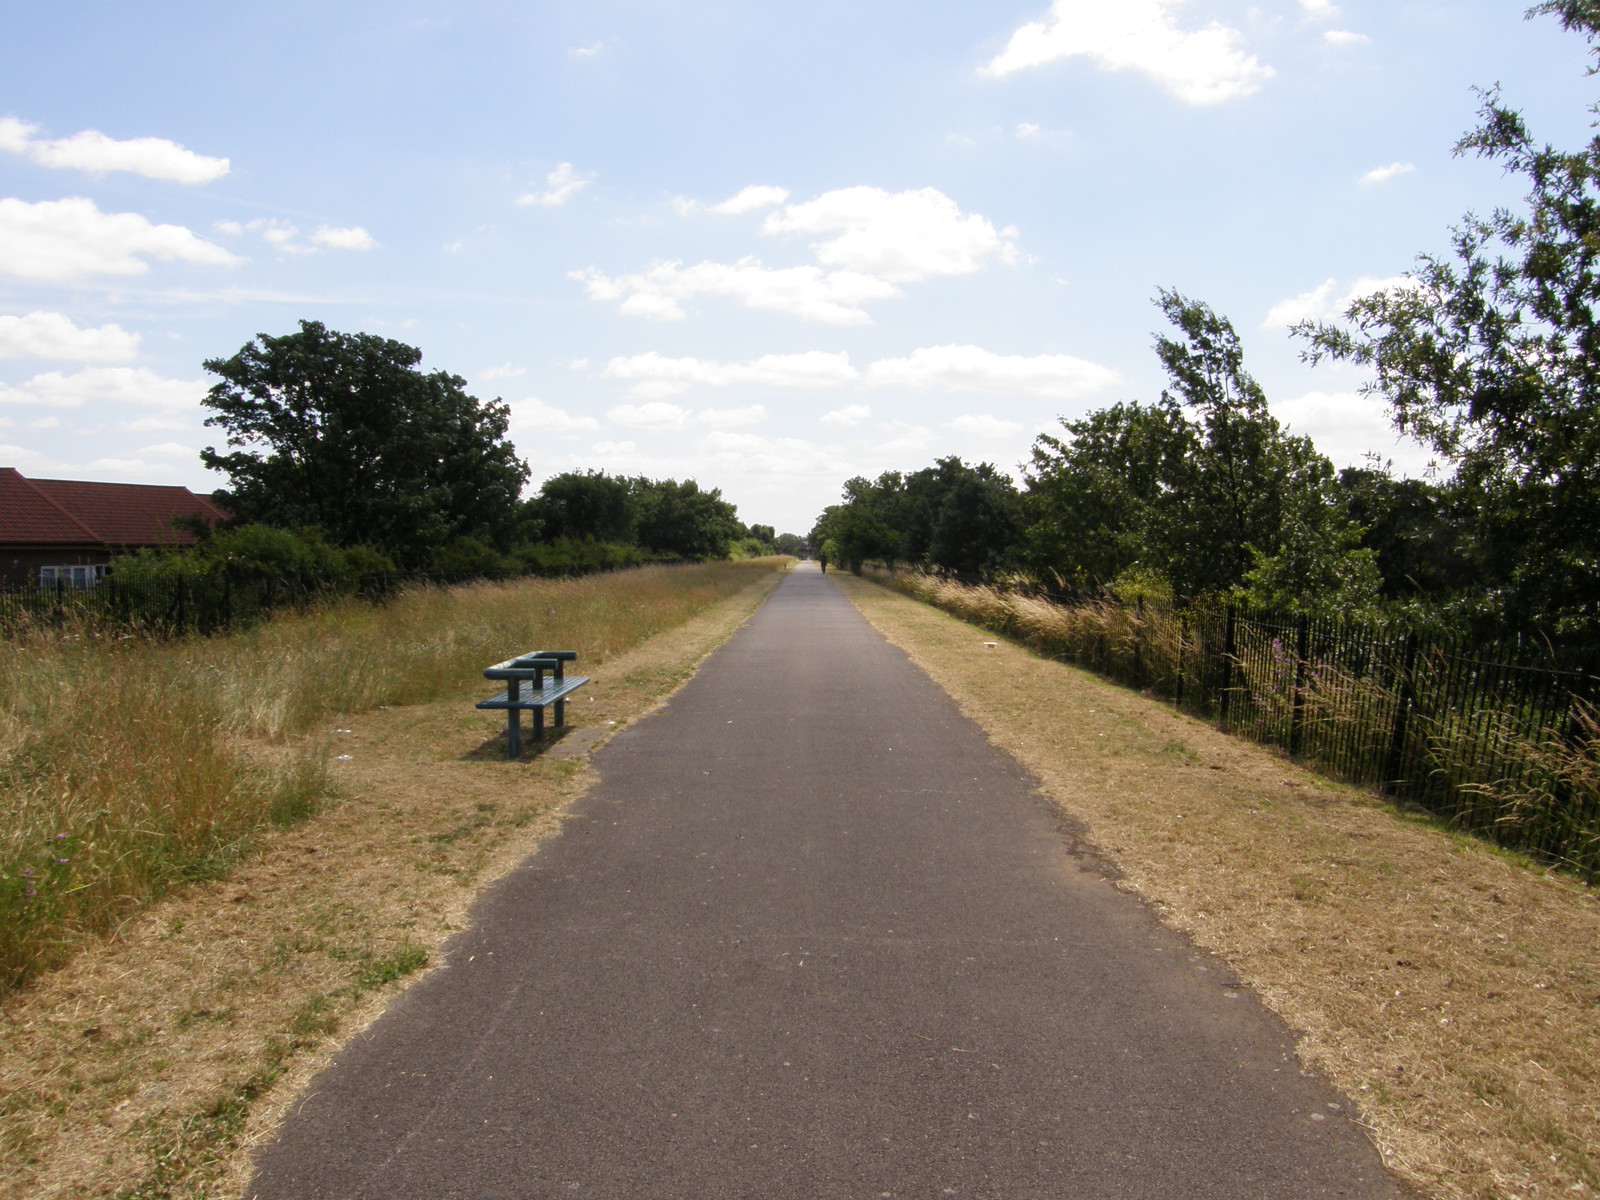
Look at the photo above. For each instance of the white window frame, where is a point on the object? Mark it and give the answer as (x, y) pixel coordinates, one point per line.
(78, 576)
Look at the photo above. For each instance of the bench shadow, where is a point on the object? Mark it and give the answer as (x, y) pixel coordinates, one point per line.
(494, 749)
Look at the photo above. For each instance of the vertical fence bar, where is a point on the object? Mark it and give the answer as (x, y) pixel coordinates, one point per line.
(1227, 668)
(1297, 704)
(1402, 713)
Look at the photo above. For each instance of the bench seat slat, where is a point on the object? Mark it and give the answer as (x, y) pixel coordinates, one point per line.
(536, 697)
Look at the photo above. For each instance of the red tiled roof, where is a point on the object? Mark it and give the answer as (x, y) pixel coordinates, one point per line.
(28, 515)
(73, 512)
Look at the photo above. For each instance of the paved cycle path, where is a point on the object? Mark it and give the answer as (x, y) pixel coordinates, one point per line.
(811, 936)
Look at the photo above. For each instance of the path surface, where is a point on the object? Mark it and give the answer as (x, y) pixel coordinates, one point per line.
(812, 937)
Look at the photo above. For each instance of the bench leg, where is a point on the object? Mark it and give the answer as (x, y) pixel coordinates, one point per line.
(561, 713)
(513, 733)
(538, 725)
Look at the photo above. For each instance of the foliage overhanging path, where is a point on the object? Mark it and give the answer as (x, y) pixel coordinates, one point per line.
(811, 935)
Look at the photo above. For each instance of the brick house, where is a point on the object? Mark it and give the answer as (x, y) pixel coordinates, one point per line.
(68, 529)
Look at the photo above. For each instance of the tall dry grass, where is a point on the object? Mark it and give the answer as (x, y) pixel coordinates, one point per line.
(1476, 767)
(129, 766)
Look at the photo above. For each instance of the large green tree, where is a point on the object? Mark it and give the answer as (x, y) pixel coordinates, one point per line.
(1204, 488)
(1492, 354)
(345, 433)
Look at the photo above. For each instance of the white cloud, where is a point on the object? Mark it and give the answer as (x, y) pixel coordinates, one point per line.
(504, 371)
(872, 240)
(59, 240)
(1321, 10)
(847, 417)
(832, 297)
(53, 335)
(169, 450)
(1345, 37)
(91, 150)
(1319, 303)
(655, 376)
(585, 51)
(750, 199)
(159, 423)
(1383, 174)
(283, 236)
(561, 185)
(116, 385)
(351, 237)
(902, 237)
(1347, 425)
(973, 369)
(732, 418)
(904, 438)
(534, 415)
(1026, 129)
(983, 425)
(656, 415)
(1202, 66)
(616, 448)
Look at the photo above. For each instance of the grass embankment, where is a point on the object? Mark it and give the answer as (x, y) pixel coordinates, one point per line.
(128, 766)
(1450, 989)
(149, 1063)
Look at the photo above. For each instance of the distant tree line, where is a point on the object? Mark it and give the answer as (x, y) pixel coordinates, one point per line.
(1491, 356)
(344, 459)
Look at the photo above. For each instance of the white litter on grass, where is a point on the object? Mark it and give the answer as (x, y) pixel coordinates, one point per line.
(991, 643)
(341, 731)
(343, 757)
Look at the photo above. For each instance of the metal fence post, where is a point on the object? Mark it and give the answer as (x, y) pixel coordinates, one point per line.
(1227, 667)
(1297, 711)
(1402, 713)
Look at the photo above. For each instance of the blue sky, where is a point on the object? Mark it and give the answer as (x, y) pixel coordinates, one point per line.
(764, 245)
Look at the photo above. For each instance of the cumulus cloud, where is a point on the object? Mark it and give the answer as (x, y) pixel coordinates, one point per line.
(847, 417)
(283, 236)
(53, 335)
(902, 237)
(534, 415)
(1199, 66)
(54, 241)
(114, 385)
(1345, 37)
(732, 418)
(974, 369)
(869, 241)
(831, 297)
(750, 199)
(588, 51)
(561, 185)
(1346, 426)
(983, 425)
(1321, 301)
(655, 415)
(1321, 10)
(504, 371)
(655, 376)
(335, 237)
(91, 150)
(1383, 174)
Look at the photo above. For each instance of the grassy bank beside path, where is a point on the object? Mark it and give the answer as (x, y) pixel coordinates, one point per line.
(129, 766)
(150, 1062)
(1452, 991)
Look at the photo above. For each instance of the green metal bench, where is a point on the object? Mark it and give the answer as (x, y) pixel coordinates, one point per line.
(533, 683)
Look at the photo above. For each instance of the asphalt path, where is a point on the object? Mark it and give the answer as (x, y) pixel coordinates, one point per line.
(812, 936)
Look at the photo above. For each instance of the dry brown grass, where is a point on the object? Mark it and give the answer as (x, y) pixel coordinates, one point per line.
(150, 1063)
(129, 766)
(1452, 991)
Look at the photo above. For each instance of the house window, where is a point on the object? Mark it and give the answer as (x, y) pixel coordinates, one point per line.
(73, 577)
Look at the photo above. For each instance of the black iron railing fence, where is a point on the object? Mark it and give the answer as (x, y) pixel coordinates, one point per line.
(1501, 739)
